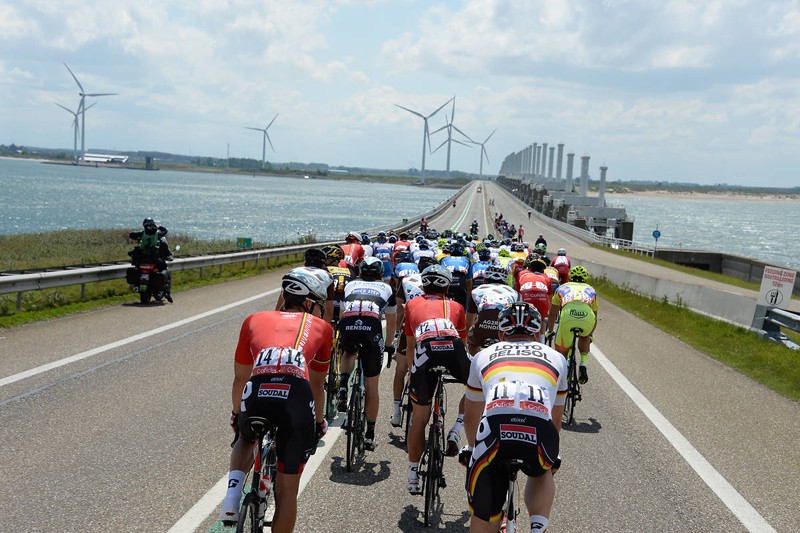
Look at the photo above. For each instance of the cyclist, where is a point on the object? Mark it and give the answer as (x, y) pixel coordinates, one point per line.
(353, 251)
(403, 243)
(479, 267)
(562, 264)
(459, 267)
(575, 305)
(404, 266)
(515, 400)
(383, 249)
(535, 287)
(484, 307)
(315, 261)
(541, 250)
(341, 273)
(280, 365)
(423, 250)
(409, 286)
(435, 329)
(366, 244)
(366, 300)
(503, 257)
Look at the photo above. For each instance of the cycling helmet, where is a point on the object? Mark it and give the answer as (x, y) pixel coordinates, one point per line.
(425, 261)
(561, 251)
(392, 239)
(403, 235)
(333, 252)
(540, 248)
(495, 274)
(403, 256)
(517, 247)
(534, 263)
(371, 269)
(300, 285)
(457, 249)
(579, 274)
(352, 237)
(419, 238)
(503, 253)
(484, 254)
(436, 278)
(489, 237)
(314, 257)
(365, 239)
(519, 317)
(424, 245)
(381, 238)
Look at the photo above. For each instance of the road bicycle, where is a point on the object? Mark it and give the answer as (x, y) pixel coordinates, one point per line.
(332, 380)
(405, 409)
(431, 465)
(356, 423)
(265, 467)
(573, 385)
(511, 507)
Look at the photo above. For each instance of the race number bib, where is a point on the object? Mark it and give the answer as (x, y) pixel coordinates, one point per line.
(435, 327)
(519, 396)
(280, 361)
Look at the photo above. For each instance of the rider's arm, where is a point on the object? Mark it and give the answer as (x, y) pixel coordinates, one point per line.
(558, 412)
(279, 304)
(241, 374)
(555, 308)
(317, 380)
(472, 417)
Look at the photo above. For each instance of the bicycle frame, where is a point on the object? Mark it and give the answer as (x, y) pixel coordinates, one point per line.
(510, 509)
(433, 456)
(265, 464)
(356, 417)
(573, 386)
(332, 381)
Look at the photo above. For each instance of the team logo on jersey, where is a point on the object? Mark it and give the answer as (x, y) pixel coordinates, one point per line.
(358, 325)
(517, 432)
(575, 313)
(274, 390)
(441, 346)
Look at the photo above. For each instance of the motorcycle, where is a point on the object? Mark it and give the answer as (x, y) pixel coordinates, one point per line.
(150, 282)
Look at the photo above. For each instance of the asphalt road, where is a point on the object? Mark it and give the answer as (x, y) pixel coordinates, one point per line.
(130, 433)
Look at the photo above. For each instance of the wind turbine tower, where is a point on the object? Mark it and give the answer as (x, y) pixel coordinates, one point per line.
(425, 131)
(483, 151)
(82, 107)
(75, 127)
(264, 140)
(449, 126)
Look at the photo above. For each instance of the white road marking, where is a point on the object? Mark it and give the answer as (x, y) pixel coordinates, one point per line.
(110, 346)
(741, 508)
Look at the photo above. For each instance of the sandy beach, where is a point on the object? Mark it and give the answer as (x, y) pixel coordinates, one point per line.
(704, 195)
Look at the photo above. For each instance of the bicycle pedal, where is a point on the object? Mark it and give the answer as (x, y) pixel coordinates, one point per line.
(442, 483)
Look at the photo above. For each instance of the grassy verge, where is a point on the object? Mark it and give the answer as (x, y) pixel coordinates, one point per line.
(766, 362)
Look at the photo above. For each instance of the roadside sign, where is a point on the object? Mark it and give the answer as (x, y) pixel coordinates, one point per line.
(656, 234)
(244, 242)
(776, 286)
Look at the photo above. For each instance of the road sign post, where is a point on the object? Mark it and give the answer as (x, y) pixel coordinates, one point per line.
(656, 235)
(777, 285)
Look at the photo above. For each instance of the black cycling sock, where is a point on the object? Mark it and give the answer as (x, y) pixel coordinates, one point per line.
(370, 429)
(344, 377)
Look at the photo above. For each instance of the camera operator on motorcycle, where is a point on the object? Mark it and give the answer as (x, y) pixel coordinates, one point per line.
(152, 246)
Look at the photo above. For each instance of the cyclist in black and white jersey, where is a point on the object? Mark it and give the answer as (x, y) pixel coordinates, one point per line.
(366, 300)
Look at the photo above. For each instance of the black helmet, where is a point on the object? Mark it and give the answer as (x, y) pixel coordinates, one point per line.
(148, 222)
(484, 254)
(300, 285)
(457, 249)
(371, 269)
(425, 261)
(314, 257)
(519, 317)
(403, 256)
(436, 278)
(534, 263)
(333, 252)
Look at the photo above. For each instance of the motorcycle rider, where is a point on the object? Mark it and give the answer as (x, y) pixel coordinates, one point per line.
(152, 246)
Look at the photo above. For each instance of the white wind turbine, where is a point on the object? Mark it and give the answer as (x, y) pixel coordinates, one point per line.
(264, 140)
(483, 151)
(82, 107)
(425, 131)
(75, 126)
(449, 126)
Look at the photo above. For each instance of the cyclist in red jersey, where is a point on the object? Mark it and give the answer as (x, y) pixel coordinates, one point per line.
(562, 264)
(436, 333)
(280, 365)
(353, 251)
(535, 287)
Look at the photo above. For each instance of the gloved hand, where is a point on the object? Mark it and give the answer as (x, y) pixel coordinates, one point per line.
(465, 454)
(321, 429)
(549, 335)
(556, 465)
(234, 421)
(390, 350)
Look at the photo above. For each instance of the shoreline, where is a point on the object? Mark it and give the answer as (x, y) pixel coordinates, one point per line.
(691, 195)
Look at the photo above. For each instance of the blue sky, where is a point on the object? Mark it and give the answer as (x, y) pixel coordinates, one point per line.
(703, 92)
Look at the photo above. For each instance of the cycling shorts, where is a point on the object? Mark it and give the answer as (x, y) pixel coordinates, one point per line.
(459, 294)
(574, 315)
(287, 402)
(484, 328)
(448, 352)
(500, 438)
(363, 335)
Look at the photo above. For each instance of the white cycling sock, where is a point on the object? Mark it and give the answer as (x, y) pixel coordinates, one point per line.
(413, 469)
(397, 407)
(458, 427)
(235, 484)
(539, 523)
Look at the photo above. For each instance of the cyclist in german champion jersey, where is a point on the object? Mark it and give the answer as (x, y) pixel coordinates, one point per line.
(366, 300)
(280, 365)
(515, 400)
(575, 305)
(436, 329)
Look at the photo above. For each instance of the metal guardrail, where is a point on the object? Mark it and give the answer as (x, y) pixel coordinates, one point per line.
(768, 322)
(21, 283)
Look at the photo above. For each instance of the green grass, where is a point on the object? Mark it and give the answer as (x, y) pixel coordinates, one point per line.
(764, 361)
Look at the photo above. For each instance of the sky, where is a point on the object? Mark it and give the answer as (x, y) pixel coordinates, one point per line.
(674, 90)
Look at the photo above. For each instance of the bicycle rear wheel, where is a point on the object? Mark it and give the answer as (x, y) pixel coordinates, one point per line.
(332, 386)
(269, 471)
(573, 390)
(248, 515)
(434, 471)
(405, 411)
(355, 426)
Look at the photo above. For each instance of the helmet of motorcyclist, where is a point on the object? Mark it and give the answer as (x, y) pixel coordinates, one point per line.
(519, 317)
(371, 269)
(381, 238)
(352, 237)
(495, 274)
(425, 261)
(484, 254)
(314, 257)
(579, 274)
(436, 279)
(403, 256)
(561, 251)
(300, 285)
(333, 253)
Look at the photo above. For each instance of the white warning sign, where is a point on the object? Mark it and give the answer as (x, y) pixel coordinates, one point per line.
(776, 286)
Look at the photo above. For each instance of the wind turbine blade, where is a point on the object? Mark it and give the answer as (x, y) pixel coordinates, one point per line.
(256, 129)
(268, 139)
(489, 137)
(437, 148)
(102, 94)
(66, 109)
(440, 129)
(462, 144)
(88, 108)
(464, 134)
(410, 111)
(74, 78)
(483, 153)
(439, 108)
(270, 123)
